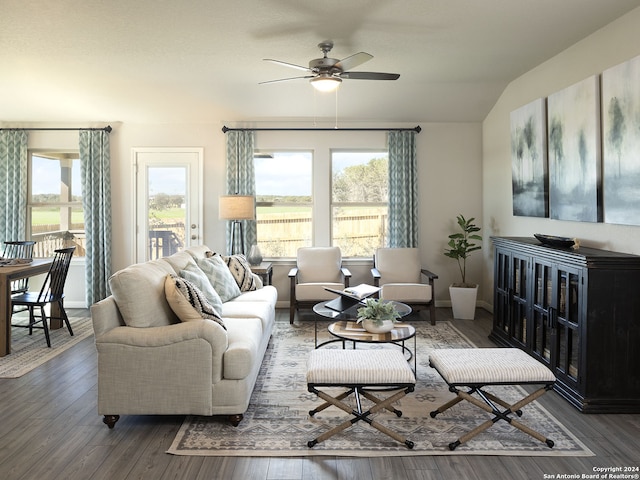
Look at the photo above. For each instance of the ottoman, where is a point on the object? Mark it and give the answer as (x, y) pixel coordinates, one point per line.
(359, 373)
(468, 371)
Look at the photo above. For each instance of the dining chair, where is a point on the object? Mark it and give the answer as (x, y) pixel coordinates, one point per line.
(22, 249)
(51, 293)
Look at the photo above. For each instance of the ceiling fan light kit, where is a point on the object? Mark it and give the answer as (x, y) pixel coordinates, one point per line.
(326, 83)
(326, 74)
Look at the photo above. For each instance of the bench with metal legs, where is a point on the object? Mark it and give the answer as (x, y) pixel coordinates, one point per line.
(360, 373)
(469, 371)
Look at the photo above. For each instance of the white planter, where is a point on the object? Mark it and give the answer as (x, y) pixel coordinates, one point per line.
(463, 302)
(371, 327)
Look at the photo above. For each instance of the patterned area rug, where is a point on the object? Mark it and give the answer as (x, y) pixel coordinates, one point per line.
(278, 424)
(31, 351)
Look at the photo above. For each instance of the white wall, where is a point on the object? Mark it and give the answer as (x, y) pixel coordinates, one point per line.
(449, 170)
(613, 44)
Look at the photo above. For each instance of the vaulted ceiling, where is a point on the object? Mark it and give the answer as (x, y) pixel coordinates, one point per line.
(194, 61)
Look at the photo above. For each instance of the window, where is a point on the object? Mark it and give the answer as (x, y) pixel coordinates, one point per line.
(359, 201)
(333, 195)
(54, 208)
(284, 202)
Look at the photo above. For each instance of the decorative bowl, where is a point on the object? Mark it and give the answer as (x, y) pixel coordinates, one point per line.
(553, 241)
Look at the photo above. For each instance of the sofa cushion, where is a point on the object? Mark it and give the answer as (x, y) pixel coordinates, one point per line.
(245, 337)
(188, 302)
(139, 293)
(241, 271)
(220, 277)
(195, 275)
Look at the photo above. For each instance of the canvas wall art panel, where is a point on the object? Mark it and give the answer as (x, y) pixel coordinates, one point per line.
(573, 135)
(529, 173)
(621, 143)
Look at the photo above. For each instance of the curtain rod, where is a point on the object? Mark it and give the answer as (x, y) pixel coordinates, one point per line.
(107, 129)
(226, 129)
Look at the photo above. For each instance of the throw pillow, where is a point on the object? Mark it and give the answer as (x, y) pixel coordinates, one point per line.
(195, 275)
(220, 277)
(188, 302)
(241, 271)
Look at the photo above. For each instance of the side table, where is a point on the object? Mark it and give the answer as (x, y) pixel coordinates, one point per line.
(264, 270)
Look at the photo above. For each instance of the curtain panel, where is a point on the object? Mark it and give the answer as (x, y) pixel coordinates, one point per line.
(241, 181)
(95, 174)
(403, 189)
(13, 185)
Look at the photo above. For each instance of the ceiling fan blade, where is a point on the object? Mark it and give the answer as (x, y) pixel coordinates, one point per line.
(353, 61)
(369, 76)
(285, 79)
(292, 65)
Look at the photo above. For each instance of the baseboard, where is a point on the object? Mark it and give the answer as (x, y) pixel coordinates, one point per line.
(442, 304)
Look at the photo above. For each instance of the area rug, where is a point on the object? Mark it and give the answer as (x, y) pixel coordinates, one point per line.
(277, 423)
(31, 351)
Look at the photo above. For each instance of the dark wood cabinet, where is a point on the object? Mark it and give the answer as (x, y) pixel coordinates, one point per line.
(578, 312)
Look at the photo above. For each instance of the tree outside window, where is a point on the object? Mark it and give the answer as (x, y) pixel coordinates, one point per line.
(359, 201)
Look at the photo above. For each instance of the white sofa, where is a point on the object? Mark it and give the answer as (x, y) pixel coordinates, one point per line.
(150, 362)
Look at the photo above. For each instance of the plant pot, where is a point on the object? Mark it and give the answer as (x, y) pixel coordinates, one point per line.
(463, 302)
(373, 327)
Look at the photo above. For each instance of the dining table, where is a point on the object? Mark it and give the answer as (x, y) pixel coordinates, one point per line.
(9, 273)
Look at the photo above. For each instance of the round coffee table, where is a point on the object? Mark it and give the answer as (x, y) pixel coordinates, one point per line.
(346, 329)
(354, 332)
(350, 314)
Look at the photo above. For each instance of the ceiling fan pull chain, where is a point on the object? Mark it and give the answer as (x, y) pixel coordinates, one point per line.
(336, 125)
(315, 108)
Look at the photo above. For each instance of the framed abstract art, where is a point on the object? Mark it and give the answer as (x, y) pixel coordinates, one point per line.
(529, 173)
(621, 143)
(573, 132)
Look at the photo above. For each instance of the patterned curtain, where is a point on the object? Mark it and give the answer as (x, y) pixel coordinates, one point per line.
(95, 173)
(241, 180)
(403, 189)
(13, 185)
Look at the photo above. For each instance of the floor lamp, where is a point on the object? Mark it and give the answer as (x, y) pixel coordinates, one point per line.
(237, 208)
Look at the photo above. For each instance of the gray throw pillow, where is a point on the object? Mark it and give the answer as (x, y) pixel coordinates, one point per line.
(195, 275)
(220, 277)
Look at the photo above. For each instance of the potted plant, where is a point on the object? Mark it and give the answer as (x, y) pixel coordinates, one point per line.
(377, 316)
(460, 246)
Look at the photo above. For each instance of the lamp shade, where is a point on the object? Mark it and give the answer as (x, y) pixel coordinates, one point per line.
(236, 207)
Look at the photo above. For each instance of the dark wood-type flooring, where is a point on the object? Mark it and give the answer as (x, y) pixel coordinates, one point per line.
(49, 429)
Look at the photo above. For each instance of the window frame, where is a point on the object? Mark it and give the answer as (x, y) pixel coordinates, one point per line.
(53, 154)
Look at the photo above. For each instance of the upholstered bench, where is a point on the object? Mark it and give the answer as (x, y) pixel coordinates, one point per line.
(472, 369)
(359, 372)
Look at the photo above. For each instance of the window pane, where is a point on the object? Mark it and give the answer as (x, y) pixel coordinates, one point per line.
(45, 180)
(55, 203)
(360, 195)
(283, 202)
(167, 212)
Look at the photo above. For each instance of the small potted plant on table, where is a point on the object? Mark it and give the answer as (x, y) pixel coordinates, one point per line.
(461, 244)
(378, 316)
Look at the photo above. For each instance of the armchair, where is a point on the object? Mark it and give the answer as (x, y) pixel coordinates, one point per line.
(316, 268)
(397, 271)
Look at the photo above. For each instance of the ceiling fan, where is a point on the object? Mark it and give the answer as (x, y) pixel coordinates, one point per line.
(326, 73)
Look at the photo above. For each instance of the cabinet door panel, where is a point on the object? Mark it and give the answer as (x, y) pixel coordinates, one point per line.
(541, 302)
(519, 298)
(567, 322)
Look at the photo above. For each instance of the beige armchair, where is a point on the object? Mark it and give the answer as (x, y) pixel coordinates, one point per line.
(399, 274)
(316, 268)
